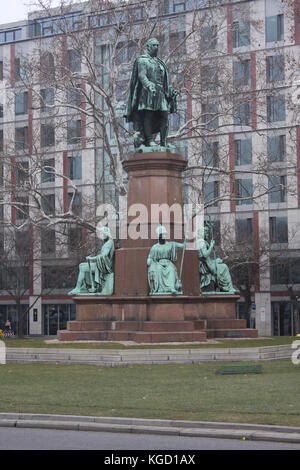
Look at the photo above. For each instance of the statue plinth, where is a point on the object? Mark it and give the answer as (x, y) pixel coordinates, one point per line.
(154, 178)
(131, 314)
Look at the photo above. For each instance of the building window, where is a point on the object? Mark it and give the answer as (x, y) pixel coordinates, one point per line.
(48, 204)
(21, 138)
(47, 242)
(1, 184)
(278, 230)
(77, 204)
(285, 272)
(1, 110)
(178, 6)
(121, 89)
(1, 70)
(75, 239)
(210, 152)
(75, 167)
(74, 132)
(241, 73)
(22, 173)
(242, 114)
(47, 135)
(211, 193)
(47, 100)
(125, 52)
(277, 189)
(209, 37)
(74, 96)
(21, 103)
(48, 171)
(47, 66)
(22, 207)
(274, 28)
(20, 73)
(243, 152)
(276, 108)
(275, 68)
(210, 115)
(177, 44)
(74, 61)
(11, 36)
(241, 34)
(277, 148)
(244, 230)
(243, 191)
(1, 140)
(209, 77)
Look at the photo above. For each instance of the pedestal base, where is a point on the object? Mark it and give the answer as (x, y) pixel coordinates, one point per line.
(160, 319)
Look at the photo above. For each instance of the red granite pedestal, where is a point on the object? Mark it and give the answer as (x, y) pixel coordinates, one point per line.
(131, 314)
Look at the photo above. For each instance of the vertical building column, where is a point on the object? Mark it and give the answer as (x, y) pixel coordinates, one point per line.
(83, 116)
(229, 29)
(189, 108)
(297, 21)
(256, 247)
(12, 65)
(65, 184)
(35, 291)
(31, 260)
(30, 131)
(231, 169)
(263, 318)
(253, 90)
(298, 164)
(13, 195)
(12, 83)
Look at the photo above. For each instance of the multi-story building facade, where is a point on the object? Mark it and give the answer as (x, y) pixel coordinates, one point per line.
(257, 43)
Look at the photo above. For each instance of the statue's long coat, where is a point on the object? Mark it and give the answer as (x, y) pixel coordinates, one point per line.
(140, 97)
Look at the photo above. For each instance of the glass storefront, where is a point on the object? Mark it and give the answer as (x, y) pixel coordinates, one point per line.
(9, 312)
(56, 316)
(282, 319)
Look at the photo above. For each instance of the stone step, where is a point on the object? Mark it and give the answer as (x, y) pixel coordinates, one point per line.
(137, 336)
(89, 325)
(147, 326)
(170, 336)
(226, 324)
(231, 333)
(151, 326)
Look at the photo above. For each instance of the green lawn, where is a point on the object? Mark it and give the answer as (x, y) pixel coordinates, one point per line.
(246, 343)
(193, 392)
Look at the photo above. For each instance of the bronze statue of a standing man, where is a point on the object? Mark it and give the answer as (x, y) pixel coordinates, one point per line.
(151, 100)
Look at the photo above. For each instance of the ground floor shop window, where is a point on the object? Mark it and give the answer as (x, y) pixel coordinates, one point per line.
(56, 316)
(9, 312)
(282, 319)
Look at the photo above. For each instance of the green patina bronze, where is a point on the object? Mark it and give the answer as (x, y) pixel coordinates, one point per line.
(162, 272)
(96, 276)
(151, 100)
(215, 277)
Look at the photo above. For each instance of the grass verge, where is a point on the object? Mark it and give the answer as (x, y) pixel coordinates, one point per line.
(197, 392)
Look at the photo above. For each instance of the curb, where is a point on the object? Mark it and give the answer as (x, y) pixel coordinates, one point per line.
(158, 427)
(123, 357)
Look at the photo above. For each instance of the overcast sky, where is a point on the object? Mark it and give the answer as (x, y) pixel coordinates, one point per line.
(15, 10)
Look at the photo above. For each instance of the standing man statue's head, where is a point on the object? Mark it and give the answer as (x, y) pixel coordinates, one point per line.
(152, 47)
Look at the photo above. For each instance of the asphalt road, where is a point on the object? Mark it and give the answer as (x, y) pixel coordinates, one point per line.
(40, 439)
